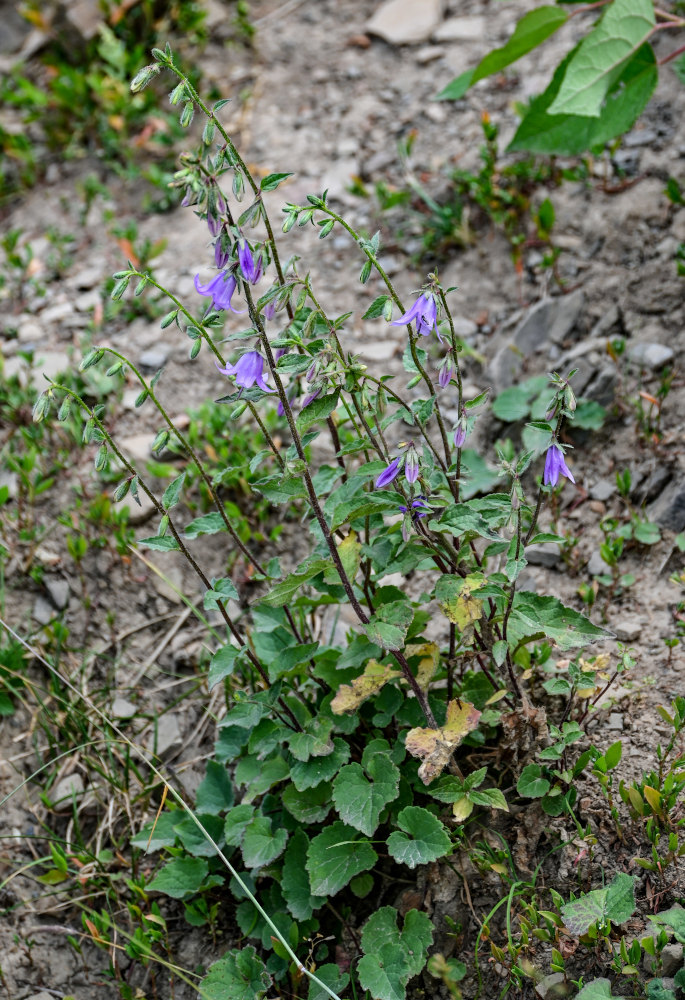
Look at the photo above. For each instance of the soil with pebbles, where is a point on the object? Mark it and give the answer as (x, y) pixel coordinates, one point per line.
(330, 102)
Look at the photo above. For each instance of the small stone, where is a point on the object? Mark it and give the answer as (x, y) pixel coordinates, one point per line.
(464, 328)
(381, 350)
(169, 738)
(154, 358)
(87, 301)
(652, 356)
(596, 565)
(29, 332)
(552, 319)
(428, 54)
(61, 795)
(628, 630)
(89, 277)
(668, 510)
(551, 986)
(43, 611)
(544, 554)
(53, 314)
(58, 591)
(137, 447)
(639, 137)
(123, 709)
(654, 485)
(173, 589)
(602, 490)
(41, 996)
(672, 958)
(602, 387)
(11, 481)
(615, 722)
(50, 363)
(461, 29)
(405, 22)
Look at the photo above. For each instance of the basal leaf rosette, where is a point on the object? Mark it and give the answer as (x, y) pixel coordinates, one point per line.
(435, 746)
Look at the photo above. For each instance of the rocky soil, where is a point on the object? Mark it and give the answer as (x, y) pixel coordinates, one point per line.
(331, 89)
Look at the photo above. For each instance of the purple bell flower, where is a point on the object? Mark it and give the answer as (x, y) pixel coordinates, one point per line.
(248, 370)
(555, 466)
(213, 224)
(414, 512)
(388, 474)
(222, 250)
(424, 313)
(311, 396)
(446, 371)
(411, 465)
(460, 432)
(220, 289)
(251, 268)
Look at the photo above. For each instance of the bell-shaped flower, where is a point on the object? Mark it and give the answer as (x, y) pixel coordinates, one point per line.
(424, 313)
(248, 371)
(250, 266)
(446, 371)
(411, 465)
(388, 474)
(555, 466)
(460, 432)
(220, 289)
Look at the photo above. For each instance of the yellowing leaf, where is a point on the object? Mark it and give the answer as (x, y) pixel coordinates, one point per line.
(350, 552)
(653, 797)
(435, 746)
(497, 696)
(351, 696)
(586, 692)
(429, 653)
(456, 602)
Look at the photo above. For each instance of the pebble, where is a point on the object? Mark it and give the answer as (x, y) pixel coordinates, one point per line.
(87, 301)
(29, 332)
(602, 387)
(123, 709)
(61, 795)
(429, 53)
(43, 611)
(139, 513)
(672, 958)
(405, 22)
(464, 328)
(58, 591)
(615, 722)
(602, 490)
(652, 356)
(169, 738)
(668, 510)
(551, 986)
(461, 29)
(544, 554)
(628, 630)
(154, 358)
(596, 565)
(88, 277)
(50, 363)
(137, 447)
(41, 996)
(53, 314)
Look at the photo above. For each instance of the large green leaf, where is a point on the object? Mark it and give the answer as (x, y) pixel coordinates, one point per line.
(310, 773)
(286, 590)
(615, 902)
(533, 28)
(360, 801)
(310, 806)
(180, 878)
(239, 975)
(215, 792)
(331, 975)
(313, 741)
(533, 614)
(424, 838)
(261, 844)
(335, 856)
(598, 989)
(570, 135)
(391, 958)
(673, 918)
(597, 64)
(295, 884)
(388, 626)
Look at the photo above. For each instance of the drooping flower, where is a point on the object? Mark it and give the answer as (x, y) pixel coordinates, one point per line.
(222, 249)
(411, 465)
(424, 313)
(269, 309)
(555, 466)
(446, 371)
(213, 223)
(248, 370)
(279, 352)
(460, 432)
(220, 289)
(311, 396)
(251, 268)
(388, 474)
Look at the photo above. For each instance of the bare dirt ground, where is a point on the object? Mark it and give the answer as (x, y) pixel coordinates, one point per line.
(323, 99)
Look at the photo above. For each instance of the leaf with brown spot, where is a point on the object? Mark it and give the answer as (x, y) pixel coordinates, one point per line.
(351, 696)
(435, 746)
(455, 598)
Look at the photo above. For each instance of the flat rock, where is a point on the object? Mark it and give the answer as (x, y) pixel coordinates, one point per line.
(154, 358)
(668, 510)
(405, 22)
(43, 611)
(61, 795)
(464, 327)
(461, 29)
(551, 986)
(169, 588)
(58, 591)
(139, 513)
(123, 709)
(50, 363)
(615, 722)
(53, 314)
(544, 554)
(650, 355)
(672, 958)
(87, 277)
(169, 737)
(602, 388)
(41, 996)
(552, 319)
(602, 490)
(137, 447)
(29, 332)
(628, 630)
